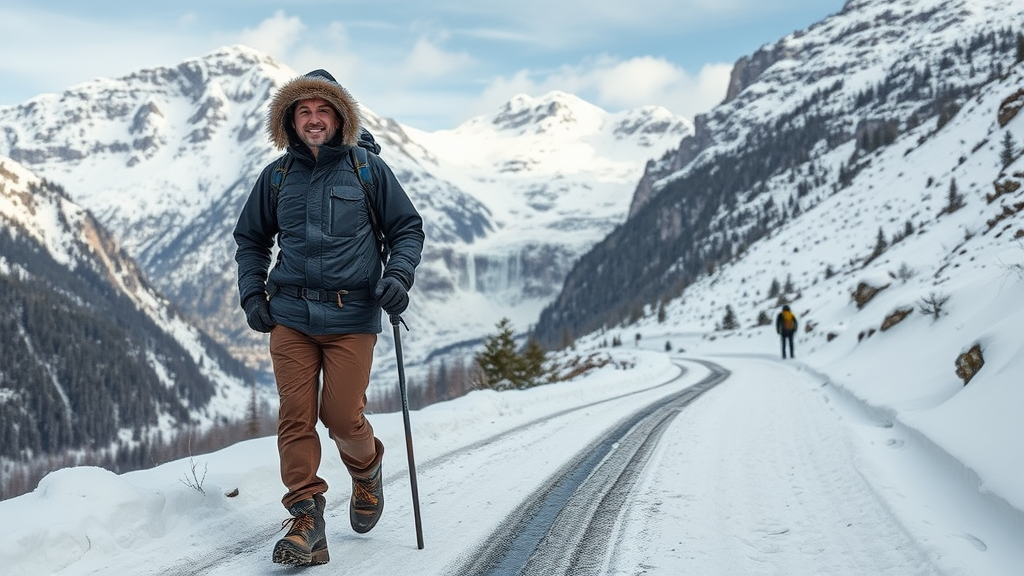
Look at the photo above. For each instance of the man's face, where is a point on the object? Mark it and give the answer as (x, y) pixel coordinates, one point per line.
(315, 122)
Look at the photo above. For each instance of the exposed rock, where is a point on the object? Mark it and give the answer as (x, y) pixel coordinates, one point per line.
(865, 292)
(1010, 106)
(1006, 185)
(895, 318)
(748, 69)
(969, 363)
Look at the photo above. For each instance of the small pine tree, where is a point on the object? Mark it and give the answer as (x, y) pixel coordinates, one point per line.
(880, 244)
(729, 322)
(533, 366)
(954, 199)
(1009, 152)
(1020, 48)
(775, 289)
(252, 420)
(763, 319)
(499, 362)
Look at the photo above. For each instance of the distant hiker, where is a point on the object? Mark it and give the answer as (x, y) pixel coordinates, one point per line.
(322, 300)
(785, 327)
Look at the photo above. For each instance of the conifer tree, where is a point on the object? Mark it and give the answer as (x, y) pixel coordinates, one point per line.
(252, 421)
(533, 365)
(729, 322)
(954, 199)
(880, 244)
(1009, 152)
(499, 361)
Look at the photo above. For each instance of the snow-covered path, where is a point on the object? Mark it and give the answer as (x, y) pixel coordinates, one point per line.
(772, 471)
(760, 477)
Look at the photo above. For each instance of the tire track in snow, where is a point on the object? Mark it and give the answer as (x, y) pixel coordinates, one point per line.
(565, 527)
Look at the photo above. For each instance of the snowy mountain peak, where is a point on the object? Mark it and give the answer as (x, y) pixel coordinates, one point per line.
(555, 111)
(649, 124)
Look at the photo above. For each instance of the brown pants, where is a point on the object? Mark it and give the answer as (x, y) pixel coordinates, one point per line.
(344, 360)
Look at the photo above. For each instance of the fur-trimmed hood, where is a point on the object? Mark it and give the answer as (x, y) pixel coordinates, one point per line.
(315, 84)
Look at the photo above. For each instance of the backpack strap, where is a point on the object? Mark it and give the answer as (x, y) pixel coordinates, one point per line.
(361, 166)
(284, 163)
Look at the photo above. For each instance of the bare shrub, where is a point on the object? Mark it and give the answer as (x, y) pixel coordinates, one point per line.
(933, 305)
(905, 272)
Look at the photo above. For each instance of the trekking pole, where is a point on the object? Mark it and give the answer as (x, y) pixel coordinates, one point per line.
(395, 321)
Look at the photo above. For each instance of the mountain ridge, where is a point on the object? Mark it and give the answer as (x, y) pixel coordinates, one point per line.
(93, 358)
(165, 157)
(855, 81)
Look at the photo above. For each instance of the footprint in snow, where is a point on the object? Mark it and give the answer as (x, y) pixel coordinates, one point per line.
(972, 540)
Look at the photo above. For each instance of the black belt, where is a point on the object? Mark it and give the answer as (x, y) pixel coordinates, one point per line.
(325, 295)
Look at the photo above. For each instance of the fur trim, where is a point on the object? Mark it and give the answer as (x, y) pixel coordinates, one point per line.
(279, 121)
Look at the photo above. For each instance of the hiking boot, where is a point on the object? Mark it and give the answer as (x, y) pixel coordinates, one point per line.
(306, 541)
(367, 502)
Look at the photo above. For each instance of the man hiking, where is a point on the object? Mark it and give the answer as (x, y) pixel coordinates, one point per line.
(321, 301)
(785, 327)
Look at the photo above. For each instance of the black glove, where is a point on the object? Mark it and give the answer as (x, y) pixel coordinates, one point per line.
(393, 297)
(257, 313)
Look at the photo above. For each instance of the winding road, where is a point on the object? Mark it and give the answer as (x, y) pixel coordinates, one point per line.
(732, 484)
(743, 465)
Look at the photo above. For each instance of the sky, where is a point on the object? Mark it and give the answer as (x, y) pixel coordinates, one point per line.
(428, 65)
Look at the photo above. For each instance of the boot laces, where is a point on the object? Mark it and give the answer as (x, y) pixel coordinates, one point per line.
(365, 491)
(299, 524)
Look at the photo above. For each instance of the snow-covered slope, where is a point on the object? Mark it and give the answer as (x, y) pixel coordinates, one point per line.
(874, 62)
(92, 353)
(969, 259)
(803, 119)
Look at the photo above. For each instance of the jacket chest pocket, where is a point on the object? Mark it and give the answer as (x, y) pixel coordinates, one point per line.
(348, 211)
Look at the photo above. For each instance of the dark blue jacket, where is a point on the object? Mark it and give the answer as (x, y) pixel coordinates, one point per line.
(325, 241)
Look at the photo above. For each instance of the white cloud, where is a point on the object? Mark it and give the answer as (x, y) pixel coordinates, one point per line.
(427, 60)
(303, 47)
(276, 35)
(646, 80)
(619, 84)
